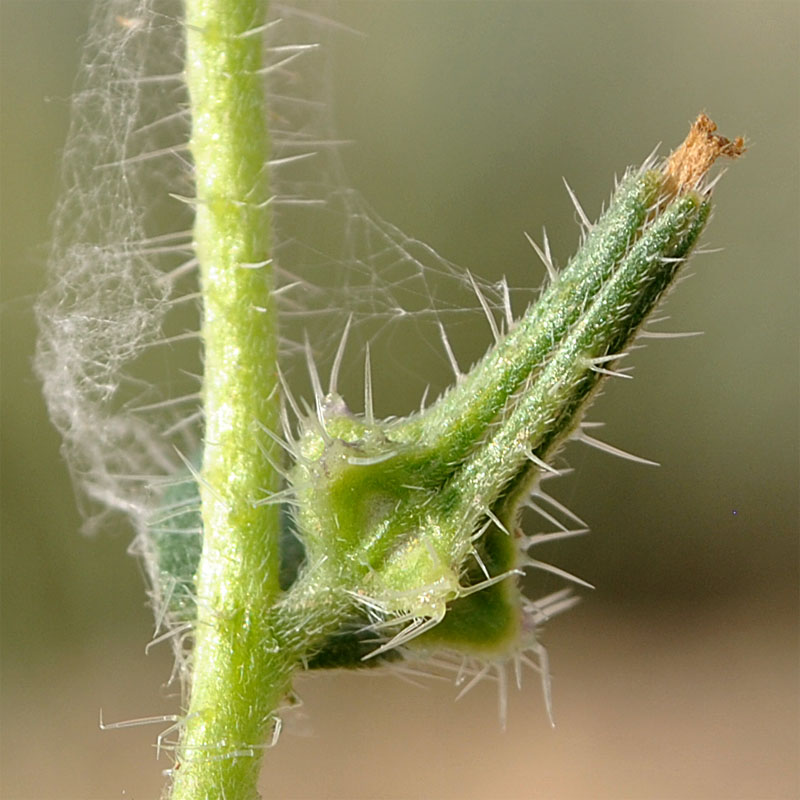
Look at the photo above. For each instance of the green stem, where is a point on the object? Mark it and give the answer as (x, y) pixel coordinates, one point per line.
(239, 673)
(391, 515)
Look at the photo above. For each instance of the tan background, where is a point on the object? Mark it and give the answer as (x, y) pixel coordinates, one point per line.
(677, 677)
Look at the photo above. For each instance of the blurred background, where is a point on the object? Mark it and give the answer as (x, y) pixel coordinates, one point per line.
(678, 676)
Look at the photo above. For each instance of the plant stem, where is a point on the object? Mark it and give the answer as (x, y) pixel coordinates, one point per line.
(240, 674)
(390, 514)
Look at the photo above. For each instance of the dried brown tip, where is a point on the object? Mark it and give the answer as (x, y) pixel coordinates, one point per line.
(692, 160)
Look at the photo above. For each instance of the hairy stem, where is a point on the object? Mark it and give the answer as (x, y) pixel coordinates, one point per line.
(391, 514)
(240, 674)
